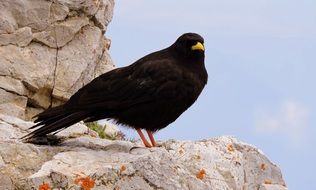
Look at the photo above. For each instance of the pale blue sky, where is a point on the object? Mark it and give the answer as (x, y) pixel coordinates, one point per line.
(261, 60)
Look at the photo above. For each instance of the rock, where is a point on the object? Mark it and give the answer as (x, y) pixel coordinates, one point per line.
(58, 12)
(12, 104)
(21, 37)
(12, 85)
(59, 34)
(89, 7)
(104, 16)
(7, 22)
(82, 161)
(272, 187)
(25, 13)
(76, 130)
(84, 53)
(50, 49)
(32, 68)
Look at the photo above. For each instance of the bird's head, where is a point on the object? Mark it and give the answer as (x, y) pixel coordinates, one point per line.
(190, 45)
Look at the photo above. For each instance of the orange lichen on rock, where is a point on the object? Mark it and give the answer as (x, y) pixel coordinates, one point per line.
(123, 168)
(44, 186)
(263, 166)
(86, 183)
(230, 148)
(267, 181)
(201, 174)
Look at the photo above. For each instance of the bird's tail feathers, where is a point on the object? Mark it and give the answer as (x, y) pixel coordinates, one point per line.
(49, 113)
(55, 122)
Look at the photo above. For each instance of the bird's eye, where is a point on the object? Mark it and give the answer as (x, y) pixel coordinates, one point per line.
(191, 43)
(186, 43)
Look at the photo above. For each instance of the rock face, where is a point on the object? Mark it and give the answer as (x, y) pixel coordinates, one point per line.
(85, 162)
(48, 50)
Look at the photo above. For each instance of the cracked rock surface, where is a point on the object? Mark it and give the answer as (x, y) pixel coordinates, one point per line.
(82, 161)
(48, 50)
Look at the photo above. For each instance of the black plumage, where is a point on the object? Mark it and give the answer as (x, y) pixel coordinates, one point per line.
(148, 94)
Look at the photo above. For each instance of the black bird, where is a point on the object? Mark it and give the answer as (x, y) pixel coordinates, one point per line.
(148, 94)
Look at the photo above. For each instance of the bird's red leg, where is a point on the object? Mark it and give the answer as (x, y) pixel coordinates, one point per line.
(151, 137)
(140, 133)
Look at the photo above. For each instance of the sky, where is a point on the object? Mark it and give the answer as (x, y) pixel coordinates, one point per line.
(261, 61)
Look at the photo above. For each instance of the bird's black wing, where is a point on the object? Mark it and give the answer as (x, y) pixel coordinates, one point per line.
(124, 87)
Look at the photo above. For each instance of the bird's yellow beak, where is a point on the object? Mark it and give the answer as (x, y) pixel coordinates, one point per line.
(198, 46)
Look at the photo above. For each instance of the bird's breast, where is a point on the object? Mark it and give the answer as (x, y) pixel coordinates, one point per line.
(184, 89)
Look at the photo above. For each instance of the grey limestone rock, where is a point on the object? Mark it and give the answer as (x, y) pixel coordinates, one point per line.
(82, 161)
(50, 49)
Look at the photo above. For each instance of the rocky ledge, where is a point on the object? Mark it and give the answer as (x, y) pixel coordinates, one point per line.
(84, 161)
